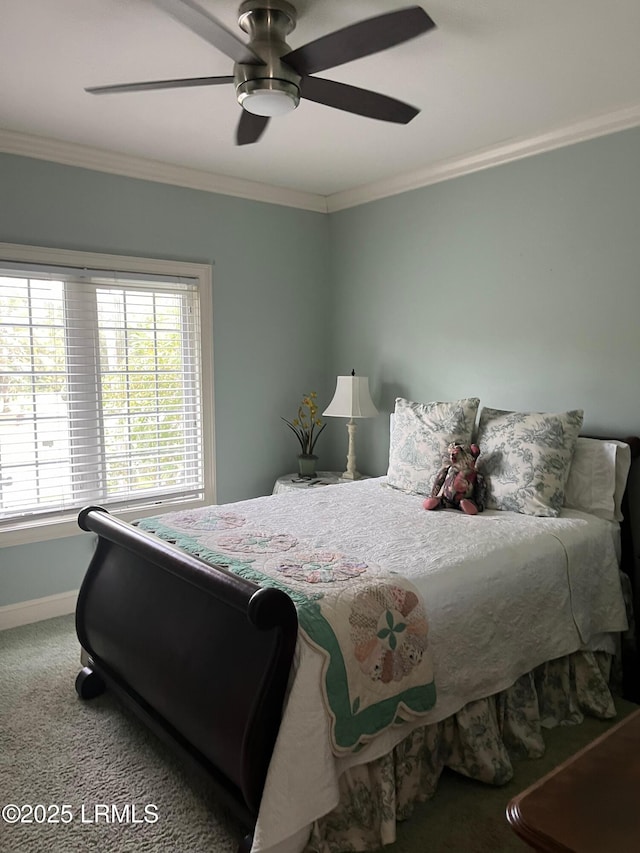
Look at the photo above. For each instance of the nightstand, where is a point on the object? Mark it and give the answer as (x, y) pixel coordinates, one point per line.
(289, 482)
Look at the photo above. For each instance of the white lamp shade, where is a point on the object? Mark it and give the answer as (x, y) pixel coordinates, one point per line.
(351, 399)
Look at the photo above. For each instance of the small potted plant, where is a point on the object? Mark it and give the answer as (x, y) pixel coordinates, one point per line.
(307, 428)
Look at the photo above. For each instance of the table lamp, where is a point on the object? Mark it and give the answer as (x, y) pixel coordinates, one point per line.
(351, 400)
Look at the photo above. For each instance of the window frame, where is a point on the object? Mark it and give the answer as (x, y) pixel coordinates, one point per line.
(38, 530)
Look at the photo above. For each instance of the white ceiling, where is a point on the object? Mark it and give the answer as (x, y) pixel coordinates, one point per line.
(493, 73)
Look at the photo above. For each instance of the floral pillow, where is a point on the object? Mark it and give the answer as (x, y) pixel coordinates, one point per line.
(419, 440)
(525, 458)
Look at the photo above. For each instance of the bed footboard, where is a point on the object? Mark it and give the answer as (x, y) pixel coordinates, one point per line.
(202, 655)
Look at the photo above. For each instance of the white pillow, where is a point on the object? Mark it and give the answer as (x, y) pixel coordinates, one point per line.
(419, 439)
(525, 458)
(598, 477)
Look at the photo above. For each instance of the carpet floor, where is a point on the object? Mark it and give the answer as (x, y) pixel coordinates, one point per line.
(93, 756)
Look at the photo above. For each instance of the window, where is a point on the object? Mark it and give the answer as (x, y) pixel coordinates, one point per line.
(105, 388)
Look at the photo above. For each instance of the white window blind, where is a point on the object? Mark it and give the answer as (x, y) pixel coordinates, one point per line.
(100, 390)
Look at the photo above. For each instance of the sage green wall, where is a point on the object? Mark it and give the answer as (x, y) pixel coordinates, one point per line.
(519, 284)
(270, 316)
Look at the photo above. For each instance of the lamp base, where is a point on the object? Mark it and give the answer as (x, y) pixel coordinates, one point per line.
(350, 475)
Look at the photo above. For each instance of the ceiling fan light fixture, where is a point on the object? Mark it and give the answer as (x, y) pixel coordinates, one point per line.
(270, 78)
(268, 97)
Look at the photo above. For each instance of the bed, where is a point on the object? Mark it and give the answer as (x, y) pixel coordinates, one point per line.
(323, 656)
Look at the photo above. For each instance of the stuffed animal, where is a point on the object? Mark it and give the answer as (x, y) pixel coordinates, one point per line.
(458, 484)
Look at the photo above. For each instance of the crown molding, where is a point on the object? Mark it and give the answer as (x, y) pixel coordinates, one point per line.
(101, 160)
(494, 156)
(72, 154)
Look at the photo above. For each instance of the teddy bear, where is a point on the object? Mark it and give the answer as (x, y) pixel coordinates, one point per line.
(458, 484)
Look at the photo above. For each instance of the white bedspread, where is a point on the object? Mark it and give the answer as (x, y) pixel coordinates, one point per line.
(503, 593)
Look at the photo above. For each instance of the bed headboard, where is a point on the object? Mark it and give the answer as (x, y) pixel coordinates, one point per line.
(630, 565)
(631, 511)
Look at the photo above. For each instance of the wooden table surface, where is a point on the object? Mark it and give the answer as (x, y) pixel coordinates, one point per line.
(591, 802)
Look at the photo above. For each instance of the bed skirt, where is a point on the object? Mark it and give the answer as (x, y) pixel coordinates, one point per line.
(479, 741)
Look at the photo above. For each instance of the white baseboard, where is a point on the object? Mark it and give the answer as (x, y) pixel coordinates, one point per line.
(37, 609)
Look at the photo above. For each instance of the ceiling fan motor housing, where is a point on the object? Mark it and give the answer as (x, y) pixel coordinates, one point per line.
(272, 87)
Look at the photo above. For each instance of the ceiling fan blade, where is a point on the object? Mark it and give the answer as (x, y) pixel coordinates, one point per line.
(250, 128)
(361, 39)
(207, 27)
(159, 84)
(354, 100)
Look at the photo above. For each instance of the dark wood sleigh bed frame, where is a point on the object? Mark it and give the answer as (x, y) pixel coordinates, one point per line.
(203, 656)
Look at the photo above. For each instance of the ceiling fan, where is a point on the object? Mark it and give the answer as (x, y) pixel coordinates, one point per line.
(270, 78)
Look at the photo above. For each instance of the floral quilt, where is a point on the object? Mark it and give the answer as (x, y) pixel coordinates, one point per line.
(369, 624)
